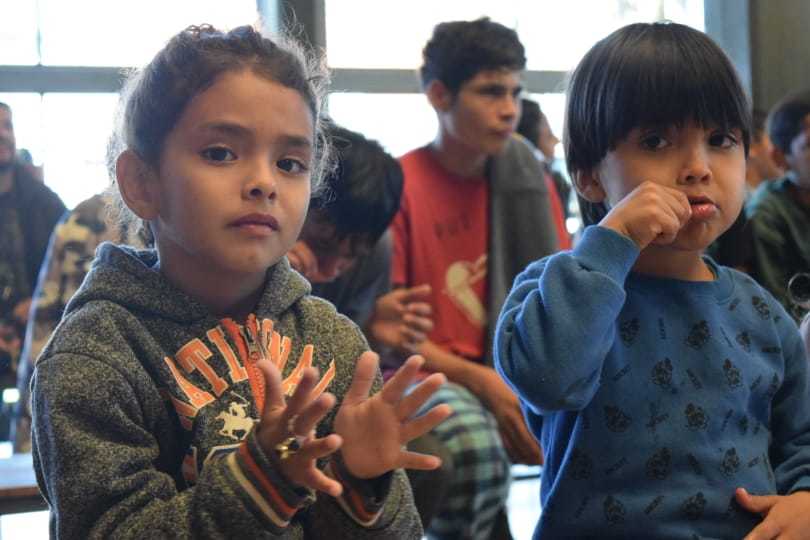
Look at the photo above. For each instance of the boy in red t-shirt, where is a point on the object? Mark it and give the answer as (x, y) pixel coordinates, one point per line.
(474, 205)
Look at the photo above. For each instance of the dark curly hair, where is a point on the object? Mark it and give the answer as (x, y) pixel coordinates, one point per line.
(459, 50)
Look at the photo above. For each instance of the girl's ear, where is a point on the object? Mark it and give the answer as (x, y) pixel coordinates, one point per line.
(589, 187)
(137, 185)
(439, 95)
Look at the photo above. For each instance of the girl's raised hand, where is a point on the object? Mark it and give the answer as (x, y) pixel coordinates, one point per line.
(376, 428)
(650, 214)
(297, 418)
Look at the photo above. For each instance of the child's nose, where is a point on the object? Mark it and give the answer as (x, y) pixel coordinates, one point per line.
(262, 182)
(696, 167)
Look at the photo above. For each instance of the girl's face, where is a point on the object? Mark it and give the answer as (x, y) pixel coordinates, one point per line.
(707, 165)
(233, 183)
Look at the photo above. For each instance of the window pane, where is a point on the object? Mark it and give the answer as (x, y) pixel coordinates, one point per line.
(18, 33)
(400, 122)
(76, 130)
(26, 113)
(555, 33)
(104, 33)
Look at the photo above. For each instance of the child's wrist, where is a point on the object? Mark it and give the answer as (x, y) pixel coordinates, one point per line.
(374, 489)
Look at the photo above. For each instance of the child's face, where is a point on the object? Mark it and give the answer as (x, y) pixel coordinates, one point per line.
(485, 111)
(707, 165)
(798, 160)
(234, 179)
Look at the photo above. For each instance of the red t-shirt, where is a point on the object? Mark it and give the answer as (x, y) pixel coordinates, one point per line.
(441, 238)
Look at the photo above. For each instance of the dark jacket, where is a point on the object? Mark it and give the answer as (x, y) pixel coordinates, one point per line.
(40, 211)
(144, 403)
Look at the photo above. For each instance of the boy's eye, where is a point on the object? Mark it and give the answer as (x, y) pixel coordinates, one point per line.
(723, 140)
(218, 153)
(292, 166)
(653, 142)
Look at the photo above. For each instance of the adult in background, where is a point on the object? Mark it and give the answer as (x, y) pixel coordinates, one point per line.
(475, 210)
(29, 210)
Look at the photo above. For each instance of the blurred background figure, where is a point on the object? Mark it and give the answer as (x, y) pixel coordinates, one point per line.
(28, 212)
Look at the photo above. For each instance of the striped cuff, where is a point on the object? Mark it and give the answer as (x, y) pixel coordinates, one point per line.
(270, 494)
(362, 499)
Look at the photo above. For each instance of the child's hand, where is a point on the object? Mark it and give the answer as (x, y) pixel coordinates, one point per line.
(375, 429)
(402, 318)
(297, 418)
(650, 214)
(786, 517)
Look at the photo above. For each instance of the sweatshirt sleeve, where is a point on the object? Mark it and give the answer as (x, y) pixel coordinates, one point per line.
(98, 464)
(558, 322)
(790, 420)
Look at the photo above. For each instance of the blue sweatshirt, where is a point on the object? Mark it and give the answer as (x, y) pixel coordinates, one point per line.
(653, 398)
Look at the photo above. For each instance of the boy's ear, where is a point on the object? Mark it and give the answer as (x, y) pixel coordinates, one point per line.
(439, 96)
(589, 187)
(779, 158)
(137, 185)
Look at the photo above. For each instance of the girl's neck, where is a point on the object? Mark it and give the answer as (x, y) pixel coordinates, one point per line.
(223, 294)
(457, 158)
(665, 262)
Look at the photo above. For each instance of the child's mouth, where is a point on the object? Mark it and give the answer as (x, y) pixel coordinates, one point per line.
(703, 208)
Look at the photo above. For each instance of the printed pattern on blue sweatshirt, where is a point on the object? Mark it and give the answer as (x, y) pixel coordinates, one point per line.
(654, 399)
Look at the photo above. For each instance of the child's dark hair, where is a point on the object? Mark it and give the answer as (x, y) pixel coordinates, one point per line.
(648, 75)
(530, 117)
(785, 119)
(154, 98)
(459, 50)
(363, 191)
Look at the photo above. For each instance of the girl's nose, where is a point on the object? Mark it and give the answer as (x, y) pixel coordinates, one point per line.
(262, 183)
(696, 166)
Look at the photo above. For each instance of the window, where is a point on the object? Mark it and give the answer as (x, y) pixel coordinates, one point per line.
(127, 33)
(400, 122)
(68, 133)
(555, 33)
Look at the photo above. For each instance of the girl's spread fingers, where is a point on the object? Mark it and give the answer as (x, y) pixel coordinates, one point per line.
(419, 395)
(392, 390)
(307, 420)
(425, 422)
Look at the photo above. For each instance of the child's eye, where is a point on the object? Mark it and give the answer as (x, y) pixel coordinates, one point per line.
(722, 139)
(653, 142)
(292, 166)
(218, 154)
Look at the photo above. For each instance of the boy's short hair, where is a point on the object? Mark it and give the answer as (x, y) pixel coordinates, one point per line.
(362, 193)
(785, 119)
(648, 75)
(530, 116)
(459, 50)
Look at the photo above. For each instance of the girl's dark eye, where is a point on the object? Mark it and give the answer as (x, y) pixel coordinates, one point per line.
(218, 154)
(292, 166)
(653, 142)
(723, 140)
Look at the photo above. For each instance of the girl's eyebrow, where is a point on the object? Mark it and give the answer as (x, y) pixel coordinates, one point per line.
(241, 132)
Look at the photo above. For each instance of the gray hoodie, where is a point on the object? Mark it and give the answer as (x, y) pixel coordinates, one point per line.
(143, 406)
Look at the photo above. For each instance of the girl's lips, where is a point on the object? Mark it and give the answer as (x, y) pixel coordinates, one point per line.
(702, 210)
(257, 220)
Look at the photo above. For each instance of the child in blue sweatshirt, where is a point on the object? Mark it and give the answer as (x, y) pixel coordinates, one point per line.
(665, 390)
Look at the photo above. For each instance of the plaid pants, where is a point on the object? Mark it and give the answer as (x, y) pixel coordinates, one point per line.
(481, 468)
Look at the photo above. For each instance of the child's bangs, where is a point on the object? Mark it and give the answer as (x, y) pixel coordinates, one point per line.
(674, 78)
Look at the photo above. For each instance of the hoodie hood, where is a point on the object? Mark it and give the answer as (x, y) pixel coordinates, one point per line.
(131, 278)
